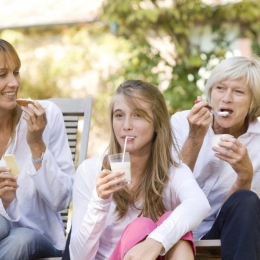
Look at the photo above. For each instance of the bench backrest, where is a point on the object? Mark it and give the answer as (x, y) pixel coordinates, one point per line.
(74, 110)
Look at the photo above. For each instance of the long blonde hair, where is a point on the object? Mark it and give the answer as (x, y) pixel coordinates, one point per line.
(155, 176)
(8, 51)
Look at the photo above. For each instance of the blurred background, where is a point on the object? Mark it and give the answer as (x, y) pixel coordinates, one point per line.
(88, 47)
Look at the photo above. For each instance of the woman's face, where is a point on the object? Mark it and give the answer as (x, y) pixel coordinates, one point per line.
(127, 122)
(235, 97)
(9, 83)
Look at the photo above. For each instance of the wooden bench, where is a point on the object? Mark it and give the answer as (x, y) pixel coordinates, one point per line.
(208, 249)
(74, 110)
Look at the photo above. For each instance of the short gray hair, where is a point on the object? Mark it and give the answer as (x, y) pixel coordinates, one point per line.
(239, 67)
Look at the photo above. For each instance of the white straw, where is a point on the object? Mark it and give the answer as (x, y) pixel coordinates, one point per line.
(124, 148)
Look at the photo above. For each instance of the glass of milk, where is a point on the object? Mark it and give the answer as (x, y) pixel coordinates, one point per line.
(120, 162)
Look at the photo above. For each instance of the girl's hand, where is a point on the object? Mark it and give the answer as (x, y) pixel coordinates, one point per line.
(35, 117)
(149, 249)
(109, 182)
(8, 186)
(199, 119)
(235, 153)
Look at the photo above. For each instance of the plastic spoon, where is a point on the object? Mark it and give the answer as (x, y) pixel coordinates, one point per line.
(220, 113)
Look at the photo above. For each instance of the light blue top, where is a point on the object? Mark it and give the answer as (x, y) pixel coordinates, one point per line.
(43, 193)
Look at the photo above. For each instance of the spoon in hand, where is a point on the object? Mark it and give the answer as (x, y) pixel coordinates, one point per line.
(220, 113)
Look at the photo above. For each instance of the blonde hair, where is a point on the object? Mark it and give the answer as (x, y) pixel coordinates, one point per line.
(9, 52)
(235, 68)
(155, 176)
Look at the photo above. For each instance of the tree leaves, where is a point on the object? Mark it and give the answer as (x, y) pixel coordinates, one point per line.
(139, 21)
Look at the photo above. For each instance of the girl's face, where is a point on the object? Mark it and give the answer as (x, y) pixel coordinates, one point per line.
(127, 122)
(9, 83)
(235, 97)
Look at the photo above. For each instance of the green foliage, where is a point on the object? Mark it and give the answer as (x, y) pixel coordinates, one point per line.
(174, 22)
(73, 61)
(159, 41)
(51, 60)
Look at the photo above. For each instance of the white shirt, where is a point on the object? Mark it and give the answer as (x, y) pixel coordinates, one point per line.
(42, 194)
(96, 230)
(215, 176)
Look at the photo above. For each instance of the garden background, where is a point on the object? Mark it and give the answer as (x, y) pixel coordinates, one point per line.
(88, 47)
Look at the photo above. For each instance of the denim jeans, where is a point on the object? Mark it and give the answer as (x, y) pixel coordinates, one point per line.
(24, 243)
(238, 227)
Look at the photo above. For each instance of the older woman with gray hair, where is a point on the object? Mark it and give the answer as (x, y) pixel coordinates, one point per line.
(229, 173)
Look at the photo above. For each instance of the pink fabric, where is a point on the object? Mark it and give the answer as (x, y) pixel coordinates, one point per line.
(137, 231)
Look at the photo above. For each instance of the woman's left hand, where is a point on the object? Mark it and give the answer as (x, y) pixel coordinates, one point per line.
(149, 249)
(35, 117)
(235, 153)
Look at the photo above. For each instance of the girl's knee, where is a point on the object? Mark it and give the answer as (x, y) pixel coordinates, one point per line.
(163, 217)
(145, 223)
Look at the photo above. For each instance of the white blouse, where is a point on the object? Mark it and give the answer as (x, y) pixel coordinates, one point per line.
(96, 230)
(215, 176)
(42, 194)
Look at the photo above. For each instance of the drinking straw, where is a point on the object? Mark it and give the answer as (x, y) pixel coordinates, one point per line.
(123, 158)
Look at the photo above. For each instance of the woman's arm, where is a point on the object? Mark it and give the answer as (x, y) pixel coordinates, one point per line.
(189, 207)
(199, 119)
(89, 212)
(91, 204)
(54, 178)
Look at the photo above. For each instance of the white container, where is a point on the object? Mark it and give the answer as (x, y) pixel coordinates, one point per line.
(216, 139)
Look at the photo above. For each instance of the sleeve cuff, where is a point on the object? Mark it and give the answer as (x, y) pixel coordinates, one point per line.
(12, 212)
(98, 203)
(159, 239)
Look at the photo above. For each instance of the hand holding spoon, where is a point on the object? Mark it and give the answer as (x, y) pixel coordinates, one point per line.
(220, 113)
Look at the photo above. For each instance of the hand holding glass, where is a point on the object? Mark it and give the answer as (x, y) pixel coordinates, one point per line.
(120, 162)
